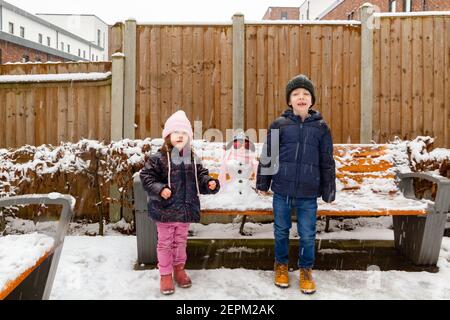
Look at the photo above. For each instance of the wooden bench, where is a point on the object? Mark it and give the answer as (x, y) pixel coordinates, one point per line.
(36, 281)
(372, 181)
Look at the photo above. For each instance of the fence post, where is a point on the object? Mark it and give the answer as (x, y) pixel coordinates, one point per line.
(238, 71)
(130, 79)
(117, 92)
(367, 26)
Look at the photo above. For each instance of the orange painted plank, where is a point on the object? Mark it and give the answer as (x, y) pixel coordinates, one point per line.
(11, 285)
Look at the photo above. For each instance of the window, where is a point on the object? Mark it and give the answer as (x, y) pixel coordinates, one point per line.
(96, 58)
(84, 54)
(350, 15)
(407, 5)
(284, 15)
(22, 32)
(40, 38)
(98, 37)
(79, 52)
(92, 57)
(49, 41)
(392, 5)
(38, 59)
(62, 46)
(68, 48)
(11, 28)
(25, 58)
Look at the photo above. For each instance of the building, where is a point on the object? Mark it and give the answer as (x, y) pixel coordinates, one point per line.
(26, 37)
(282, 13)
(86, 26)
(349, 9)
(311, 9)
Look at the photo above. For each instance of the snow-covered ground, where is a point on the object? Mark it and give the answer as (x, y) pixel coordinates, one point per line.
(102, 268)
(93, 267)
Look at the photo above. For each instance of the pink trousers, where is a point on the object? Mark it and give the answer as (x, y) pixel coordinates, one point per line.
(171, 249)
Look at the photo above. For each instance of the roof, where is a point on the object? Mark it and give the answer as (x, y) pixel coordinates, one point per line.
(71, 14)
(329, 9)
(44, 22)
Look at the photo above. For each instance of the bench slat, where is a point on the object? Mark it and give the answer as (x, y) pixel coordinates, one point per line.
(322, 213)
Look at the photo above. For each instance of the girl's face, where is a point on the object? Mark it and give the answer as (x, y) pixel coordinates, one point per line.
(179, 139)
(301, 101)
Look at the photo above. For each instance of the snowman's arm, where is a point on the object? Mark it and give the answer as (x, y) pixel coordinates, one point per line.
(151, 177)
(203, 180)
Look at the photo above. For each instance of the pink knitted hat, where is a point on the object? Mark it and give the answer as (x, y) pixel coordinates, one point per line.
(178, 122)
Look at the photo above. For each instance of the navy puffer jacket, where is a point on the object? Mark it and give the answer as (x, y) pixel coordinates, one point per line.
(304, 167)
(184, 204)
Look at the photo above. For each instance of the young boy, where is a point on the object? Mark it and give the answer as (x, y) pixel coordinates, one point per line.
(304, 169)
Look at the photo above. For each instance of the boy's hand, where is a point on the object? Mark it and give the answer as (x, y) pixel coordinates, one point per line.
(166, 193)
(212, 185)
(264, 193)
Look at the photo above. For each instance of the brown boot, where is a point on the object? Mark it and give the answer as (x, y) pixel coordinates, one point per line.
(281, 275)
(181, 278)
(307, 285)
(166, 285)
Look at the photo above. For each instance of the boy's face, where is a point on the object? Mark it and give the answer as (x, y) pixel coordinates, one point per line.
(179, 139)
(300, 100)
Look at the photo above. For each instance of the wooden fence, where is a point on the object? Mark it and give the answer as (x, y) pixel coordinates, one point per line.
(190, 67)
(411, 61)
(328, 54)
(49, 112)
(183, 66)
(193, 67)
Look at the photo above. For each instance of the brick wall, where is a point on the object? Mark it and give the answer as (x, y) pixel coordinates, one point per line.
(276, 13)
(10, 52)
(342, 11)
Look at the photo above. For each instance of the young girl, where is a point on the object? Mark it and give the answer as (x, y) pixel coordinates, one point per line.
(173, 179)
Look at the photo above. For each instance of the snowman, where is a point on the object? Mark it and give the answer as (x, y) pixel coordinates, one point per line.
(238, 170)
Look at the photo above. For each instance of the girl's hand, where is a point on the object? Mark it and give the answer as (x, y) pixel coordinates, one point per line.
(212, 185)
(166, 193)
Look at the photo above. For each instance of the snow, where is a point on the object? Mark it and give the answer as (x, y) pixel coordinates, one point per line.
(18, 253)
(62, 77)
(102, 268)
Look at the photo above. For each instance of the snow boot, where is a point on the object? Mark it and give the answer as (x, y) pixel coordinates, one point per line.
(307, 285)
(281, 275)
(181, 278)
(166, 285)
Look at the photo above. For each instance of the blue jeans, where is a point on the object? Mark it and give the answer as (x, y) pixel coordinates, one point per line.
(306, 226)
